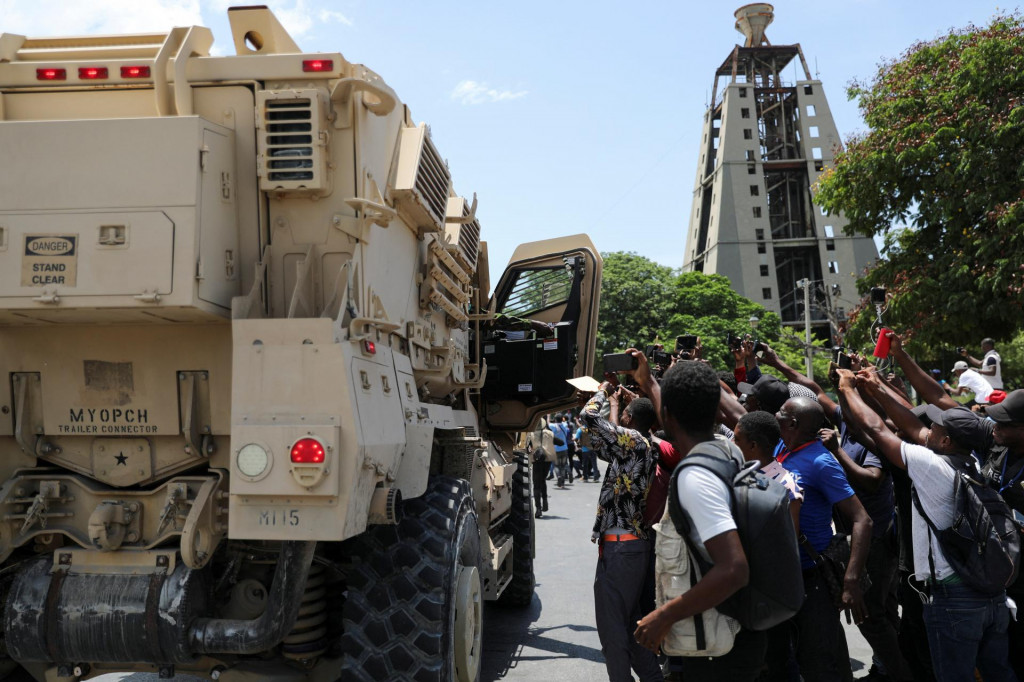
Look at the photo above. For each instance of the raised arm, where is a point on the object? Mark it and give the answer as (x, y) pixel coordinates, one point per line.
(857, 411)
(646, 384)
(866, 478)
(772, 359)
(927, 388)
(605, 437)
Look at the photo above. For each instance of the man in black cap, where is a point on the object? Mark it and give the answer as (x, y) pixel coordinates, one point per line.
(1004, 471)
(767, 393)
(980, 636)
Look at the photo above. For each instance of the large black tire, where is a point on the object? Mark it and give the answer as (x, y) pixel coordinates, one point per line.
(400, 617)
(519, 592)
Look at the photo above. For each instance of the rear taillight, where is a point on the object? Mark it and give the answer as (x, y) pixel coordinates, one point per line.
(308, 451)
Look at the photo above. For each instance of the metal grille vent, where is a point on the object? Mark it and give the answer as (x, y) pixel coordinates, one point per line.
(423, 181)
(291, 141)
(463, 239)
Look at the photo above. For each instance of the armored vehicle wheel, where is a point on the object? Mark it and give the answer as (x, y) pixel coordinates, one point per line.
(414, 609)
(519, 525)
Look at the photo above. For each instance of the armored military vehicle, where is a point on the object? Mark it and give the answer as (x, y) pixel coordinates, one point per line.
(260, 408)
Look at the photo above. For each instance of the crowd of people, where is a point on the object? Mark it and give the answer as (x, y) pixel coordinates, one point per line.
(880, 490)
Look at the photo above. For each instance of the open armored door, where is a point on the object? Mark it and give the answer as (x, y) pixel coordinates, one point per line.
(556, 281)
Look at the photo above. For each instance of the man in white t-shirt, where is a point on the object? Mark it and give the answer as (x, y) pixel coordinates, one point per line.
(969, 381)
(966, 629)
(990, 366)
(688, 403)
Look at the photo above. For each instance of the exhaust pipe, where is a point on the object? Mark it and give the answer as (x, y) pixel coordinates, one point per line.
(225, 636)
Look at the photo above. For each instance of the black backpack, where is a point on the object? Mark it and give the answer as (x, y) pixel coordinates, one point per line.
(982, 545)
(760, 507)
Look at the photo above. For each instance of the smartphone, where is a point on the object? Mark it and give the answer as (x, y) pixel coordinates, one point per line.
(686, 342)
(877, 295)
(733, 341)
(759, 348)
(620, 362)
(843, 361)
(660, 357)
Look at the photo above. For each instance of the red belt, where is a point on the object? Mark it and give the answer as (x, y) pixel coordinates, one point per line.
(619, 538)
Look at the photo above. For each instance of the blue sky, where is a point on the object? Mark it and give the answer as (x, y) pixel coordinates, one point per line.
(564, 117)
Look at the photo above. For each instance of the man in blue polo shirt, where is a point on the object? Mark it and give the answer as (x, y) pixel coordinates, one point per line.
(821, 649)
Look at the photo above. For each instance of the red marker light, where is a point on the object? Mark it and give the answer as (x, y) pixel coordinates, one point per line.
(51, 74)
(370, 347)
(134, 72)
(317, 65)
(308, 451)
(92, 72)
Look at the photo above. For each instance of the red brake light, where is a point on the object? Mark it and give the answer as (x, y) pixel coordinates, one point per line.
(370, 347)
(92, 72)
(134, 72)
(317, 65)
(308, 451)
(51, 74)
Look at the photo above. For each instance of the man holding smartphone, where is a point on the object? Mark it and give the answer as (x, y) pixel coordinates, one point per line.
(623, 537)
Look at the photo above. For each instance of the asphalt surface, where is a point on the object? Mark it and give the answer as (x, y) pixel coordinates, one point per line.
(555, 638)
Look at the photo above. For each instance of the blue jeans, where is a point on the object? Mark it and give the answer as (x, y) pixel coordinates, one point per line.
(967, 629)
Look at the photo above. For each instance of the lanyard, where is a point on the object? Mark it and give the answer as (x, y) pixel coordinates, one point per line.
(782, 457)
(1002, 476)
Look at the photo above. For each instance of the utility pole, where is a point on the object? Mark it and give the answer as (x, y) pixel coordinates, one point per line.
(806, 284)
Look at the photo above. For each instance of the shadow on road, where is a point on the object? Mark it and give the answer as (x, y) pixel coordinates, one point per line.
(516, 639)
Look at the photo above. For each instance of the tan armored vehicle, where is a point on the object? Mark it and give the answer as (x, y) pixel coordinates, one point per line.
(260, 411)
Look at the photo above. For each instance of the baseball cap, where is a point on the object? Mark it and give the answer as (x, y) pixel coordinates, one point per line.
(1011, 409)
(959, 364)
(770, 392)
(921, 412)
(962, 425)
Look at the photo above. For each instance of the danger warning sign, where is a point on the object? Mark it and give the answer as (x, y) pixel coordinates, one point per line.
(50, 259)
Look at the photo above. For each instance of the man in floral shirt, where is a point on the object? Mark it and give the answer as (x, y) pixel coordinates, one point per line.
(620, 529)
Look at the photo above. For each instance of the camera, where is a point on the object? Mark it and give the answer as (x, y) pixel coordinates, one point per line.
(960, 350)
(877, 295)
(759, 348)
(734, 342)
(686, 342)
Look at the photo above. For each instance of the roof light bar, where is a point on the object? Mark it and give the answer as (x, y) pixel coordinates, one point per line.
(134, 72)
(309, 65)
(92, 72)
(51, 74)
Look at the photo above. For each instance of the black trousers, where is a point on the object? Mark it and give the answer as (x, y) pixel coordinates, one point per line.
(540, 484)
(817, 638)
(621, 568)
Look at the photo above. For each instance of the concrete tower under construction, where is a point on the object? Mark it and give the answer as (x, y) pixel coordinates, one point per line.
(765, 142)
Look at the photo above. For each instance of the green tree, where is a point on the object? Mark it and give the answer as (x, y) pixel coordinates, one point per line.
(636, 300)
(643, 302)
(939, 175)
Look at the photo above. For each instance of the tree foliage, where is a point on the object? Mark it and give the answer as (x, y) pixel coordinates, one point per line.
(940, 174)
(644, 303)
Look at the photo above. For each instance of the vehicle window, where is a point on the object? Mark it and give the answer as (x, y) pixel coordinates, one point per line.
(538, 289)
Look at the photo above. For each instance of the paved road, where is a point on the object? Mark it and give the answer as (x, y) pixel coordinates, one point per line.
(555, 639)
